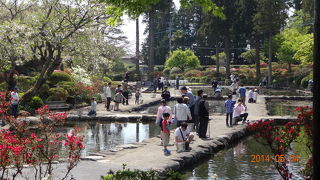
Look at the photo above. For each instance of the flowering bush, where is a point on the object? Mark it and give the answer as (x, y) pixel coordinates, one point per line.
(37, 149)
(279, 139)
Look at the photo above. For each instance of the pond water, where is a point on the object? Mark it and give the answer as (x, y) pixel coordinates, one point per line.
(235, 163)
(279, 92)
(216, 106)
(280, 107)
(101, 137)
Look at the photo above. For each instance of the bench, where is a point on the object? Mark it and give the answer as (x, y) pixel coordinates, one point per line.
(58, 105)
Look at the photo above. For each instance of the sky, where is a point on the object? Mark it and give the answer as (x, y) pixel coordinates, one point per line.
(129, 30)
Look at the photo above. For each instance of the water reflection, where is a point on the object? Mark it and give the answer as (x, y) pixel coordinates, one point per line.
(235, 163)
(101, 137)
(277, 107)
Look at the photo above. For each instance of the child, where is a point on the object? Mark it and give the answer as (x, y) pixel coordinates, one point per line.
(93, 107)
(137, 95)
(118, 98)
(250, 96)
(255, 96)
(165, 132)
(229, 110)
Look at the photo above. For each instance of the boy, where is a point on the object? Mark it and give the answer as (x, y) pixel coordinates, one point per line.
(118, 99)
(229, 110)
(137, 95)
(255, 96)
(165, 132)
(250, 96)
(93, 107)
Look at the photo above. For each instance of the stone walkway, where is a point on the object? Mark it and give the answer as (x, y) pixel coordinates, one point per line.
(149, 155)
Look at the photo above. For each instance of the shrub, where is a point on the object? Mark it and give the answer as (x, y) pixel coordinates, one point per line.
(3, 86)
(175, 70)
(57, 77)
(69, 86)
(44, 91)
(195, 73)
(166, 71)
(57, 94)
(25, 82)
(36, 102)
(106, 79)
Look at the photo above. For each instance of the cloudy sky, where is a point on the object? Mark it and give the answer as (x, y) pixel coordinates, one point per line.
(129, 30)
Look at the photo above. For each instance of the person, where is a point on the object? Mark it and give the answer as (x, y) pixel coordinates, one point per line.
(177, 82)
(234, 97)
(155, 84)
(239, 112)
(181, 112)
(232, 78)
(118, 89)
(160, 83)
(183, 136)
(250, 95)
(196, 110)
(137, 95)
(229, 104)
(255, 96)
(242, 93)
(215, 84)
(203, 116)
(14, 103)
(264, 81)
(93, 107)
(235, 85)
(165, 94)
(125, 92)
(185, 92)
(163, 108)
(165, 132)
(217, 92)
(118, 98)
(126, 77)
(310, 84)
(107, 95)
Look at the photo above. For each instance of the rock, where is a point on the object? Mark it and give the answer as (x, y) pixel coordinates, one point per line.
(92, 158)
(127, 146)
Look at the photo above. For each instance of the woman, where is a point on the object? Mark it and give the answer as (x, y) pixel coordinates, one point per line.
(163, 108)
(181, 112)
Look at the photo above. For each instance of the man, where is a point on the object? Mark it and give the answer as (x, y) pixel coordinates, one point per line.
(107, 95)
(14, 102)
(214, 85)
(242, 93)
(185, 92)
(203, 116)
(166, 94)
(183, 136)
(125, 92)
(118, 89)
(239, 112)
(196, 110)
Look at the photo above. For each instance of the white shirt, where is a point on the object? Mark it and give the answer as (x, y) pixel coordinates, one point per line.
(107, 91)
(181, 112)
(161, 110)
(177, 133)
(14, 98)
(250, 94)
(93, 106)
(255, 95)
(234, 97)
(238, 110)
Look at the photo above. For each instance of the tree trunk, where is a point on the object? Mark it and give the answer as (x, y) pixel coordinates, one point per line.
(270, 60)
(50, 65)
(217, 59)
(289, 67)
(257, 57)
(227, 51)
(151, 41)
(137, 45)
(316, 95)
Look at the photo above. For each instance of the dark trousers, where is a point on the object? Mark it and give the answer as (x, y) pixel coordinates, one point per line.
(126, 95)
(91, 112)
(203, 126)
(108, 102)
(227, 119)
(242, 117)
(14, 110)
(196, 123)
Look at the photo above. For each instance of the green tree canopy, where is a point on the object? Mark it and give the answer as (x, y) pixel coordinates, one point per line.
(250, 55)
(182, 59)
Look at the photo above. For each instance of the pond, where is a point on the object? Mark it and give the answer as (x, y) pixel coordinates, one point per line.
(280, 107)
(216, 106)
(280, 92)
(235, 163)
(101, 137)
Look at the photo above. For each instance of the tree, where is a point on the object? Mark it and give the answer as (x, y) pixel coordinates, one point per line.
(269, 19)
(250, 56)
(304, 52)
(217, 57)
(182, 59)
